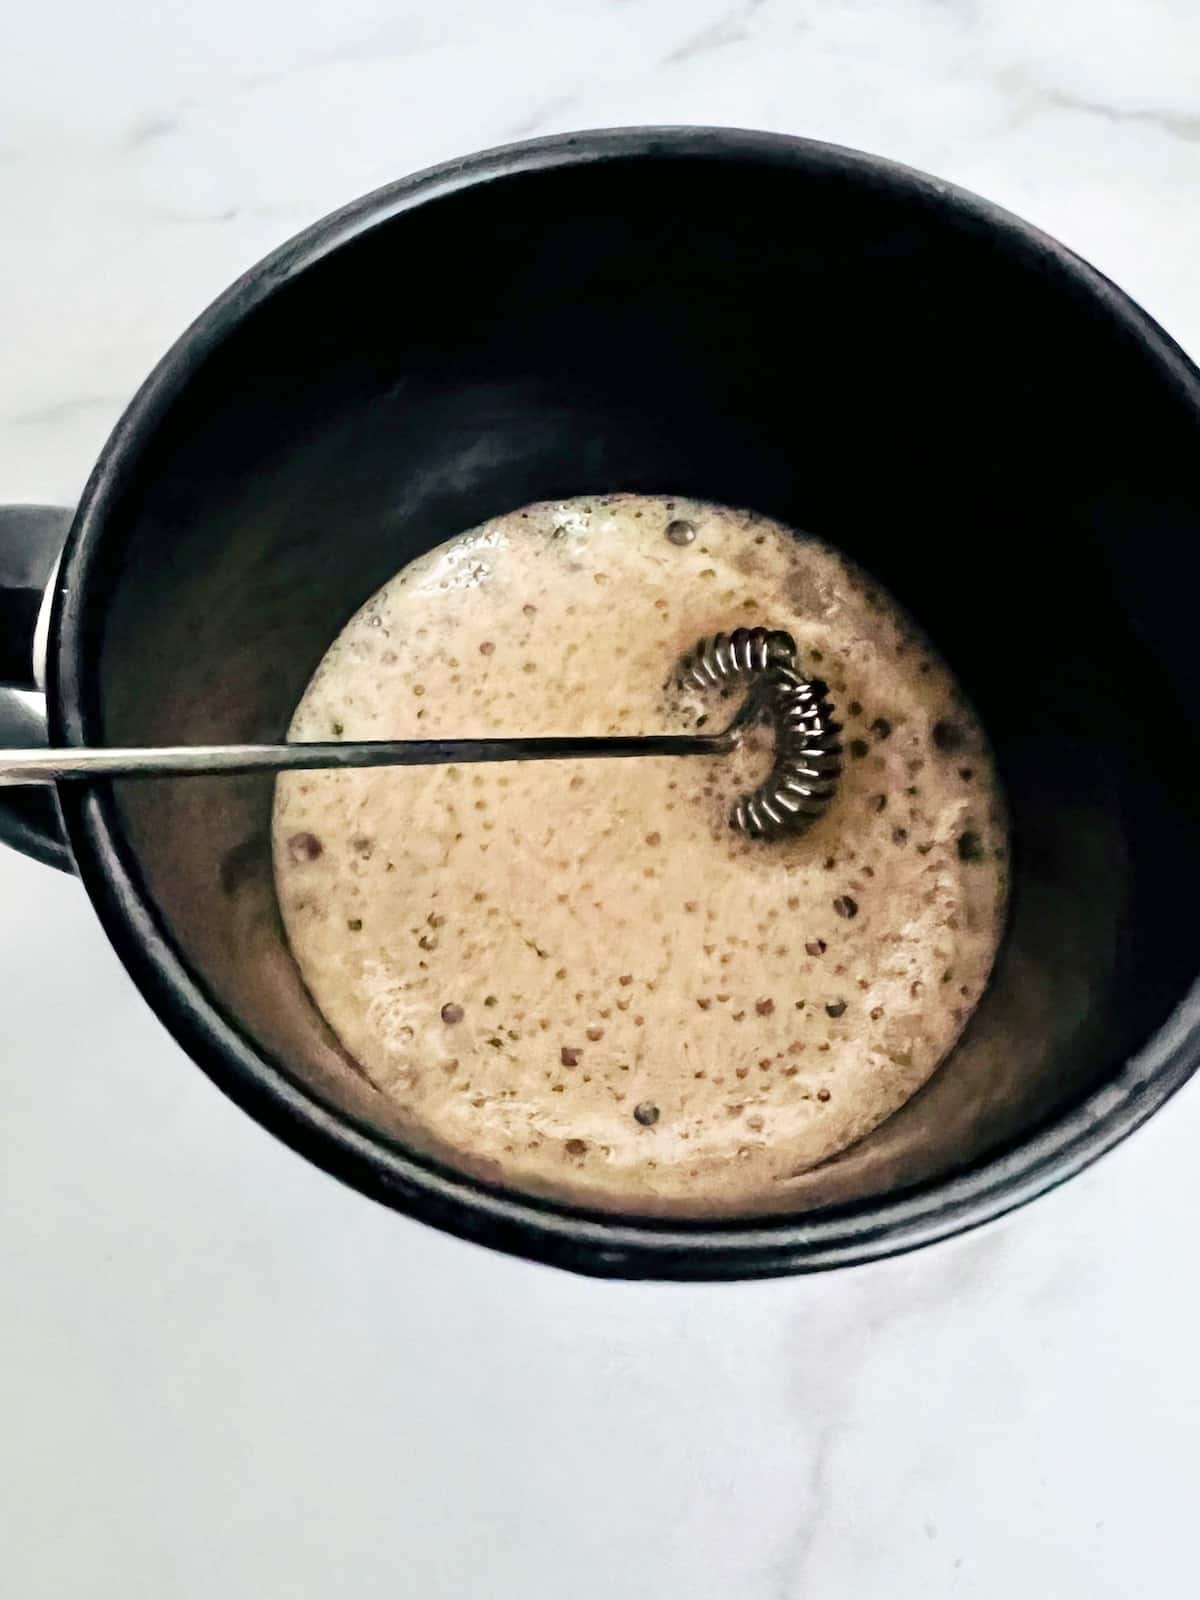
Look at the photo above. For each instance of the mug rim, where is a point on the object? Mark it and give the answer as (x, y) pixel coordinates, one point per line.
(598, 1243)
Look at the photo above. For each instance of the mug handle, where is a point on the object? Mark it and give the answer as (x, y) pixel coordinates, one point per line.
(31, 541)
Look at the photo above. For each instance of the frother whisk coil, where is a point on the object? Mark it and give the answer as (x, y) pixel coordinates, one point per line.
(807, 761)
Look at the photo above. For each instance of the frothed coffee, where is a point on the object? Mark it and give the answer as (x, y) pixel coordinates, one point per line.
(574, 978)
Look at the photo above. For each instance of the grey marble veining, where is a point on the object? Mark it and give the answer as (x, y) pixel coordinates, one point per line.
(220, 1373)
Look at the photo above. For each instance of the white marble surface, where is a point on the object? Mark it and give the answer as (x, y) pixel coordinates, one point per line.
(222, 1374)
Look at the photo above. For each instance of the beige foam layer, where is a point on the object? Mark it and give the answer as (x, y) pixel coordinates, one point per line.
(573, 977)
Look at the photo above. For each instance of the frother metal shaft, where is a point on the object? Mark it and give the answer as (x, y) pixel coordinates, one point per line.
(183, 761)
(798, 789)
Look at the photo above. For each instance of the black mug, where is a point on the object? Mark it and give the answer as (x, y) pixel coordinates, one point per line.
(973, 413)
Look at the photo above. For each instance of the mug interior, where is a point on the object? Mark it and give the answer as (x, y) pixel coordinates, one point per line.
(845, 348)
